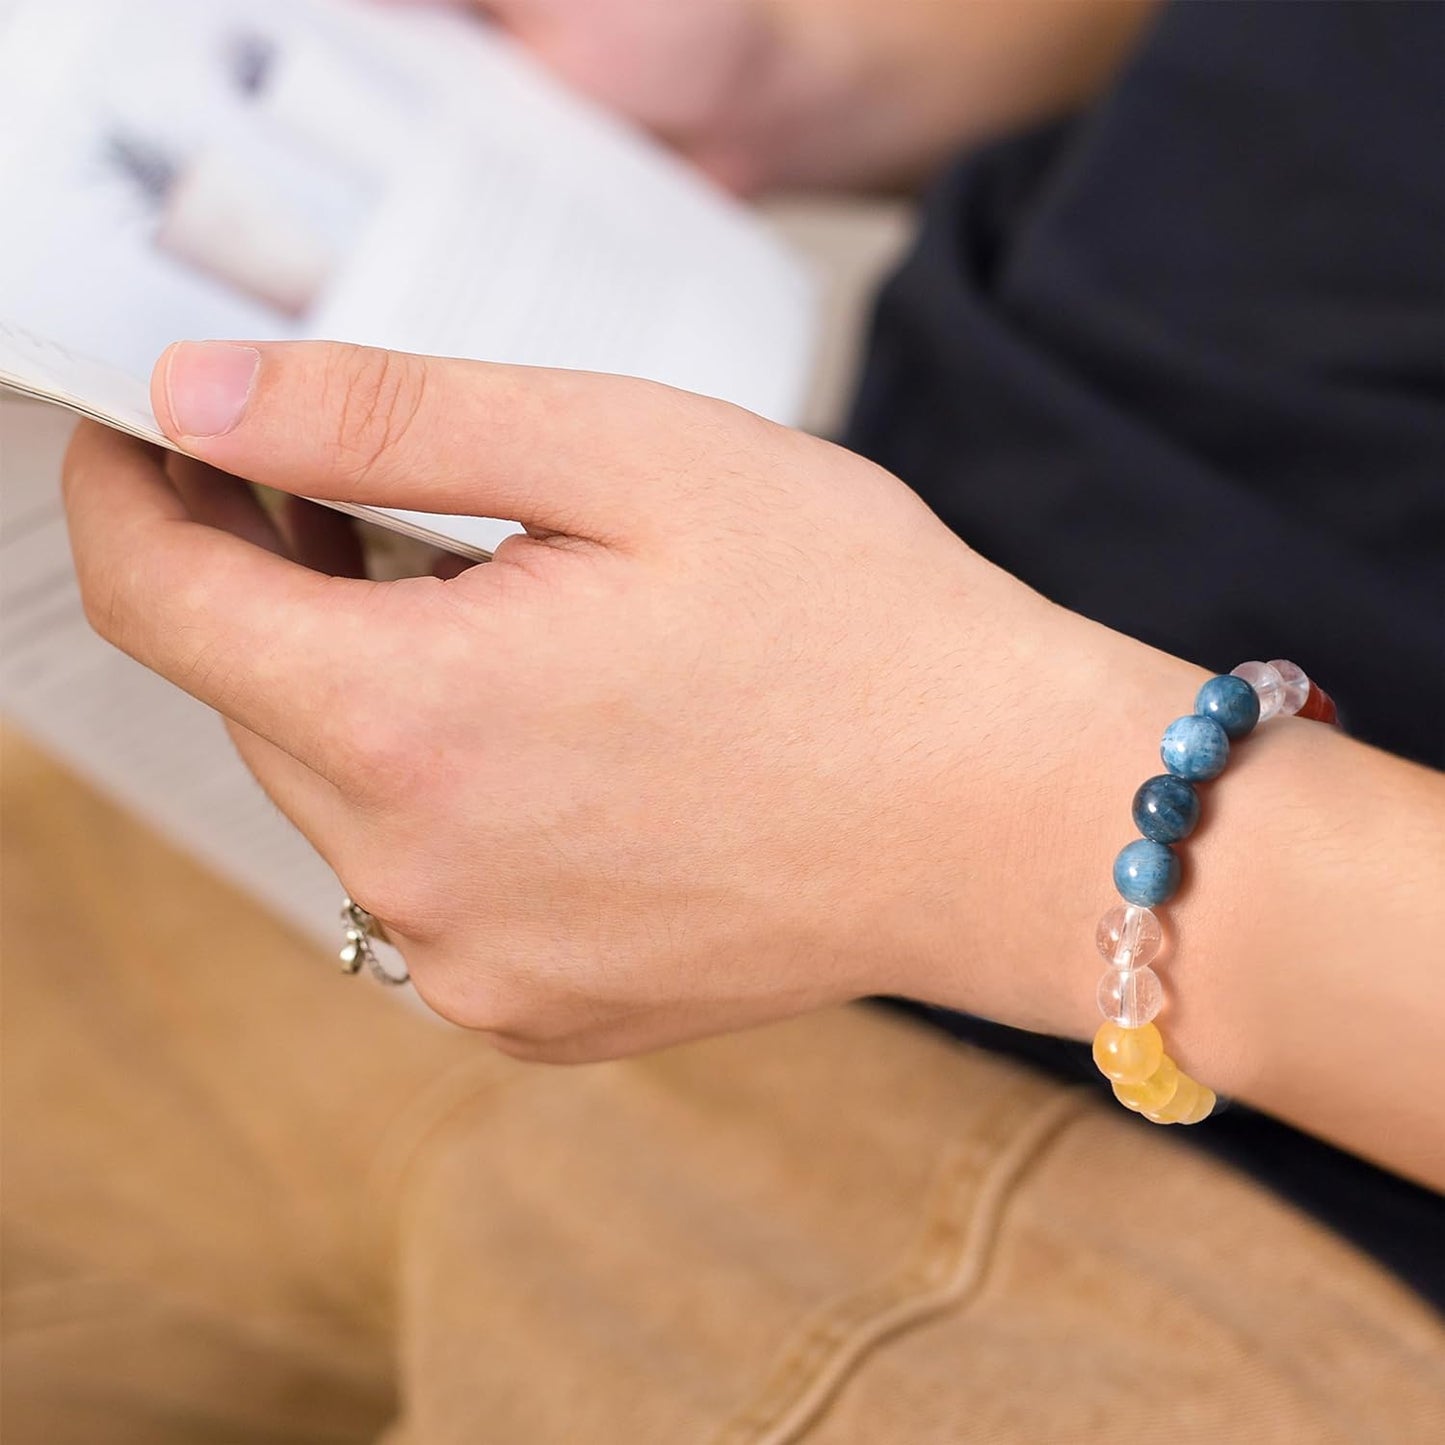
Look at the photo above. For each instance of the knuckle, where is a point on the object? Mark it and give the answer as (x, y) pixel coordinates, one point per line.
(374, 396)
(468, 1002)
(98, 601)
(104, 600)
(514, 1014)
(405, 902)
(97, 584)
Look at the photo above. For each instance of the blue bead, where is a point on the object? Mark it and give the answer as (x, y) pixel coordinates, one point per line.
(1231, 702)
(1195, 747)
(1146, 873)
(1166, 808)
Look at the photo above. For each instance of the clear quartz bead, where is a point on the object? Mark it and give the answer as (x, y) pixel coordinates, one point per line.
(1129, 936)
(1267, 684)
(1296, 686)
(1130, 997)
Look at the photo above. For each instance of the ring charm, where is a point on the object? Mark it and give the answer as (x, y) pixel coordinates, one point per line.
(357, 950)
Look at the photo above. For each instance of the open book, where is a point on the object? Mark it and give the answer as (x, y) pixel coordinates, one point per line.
(268, 169)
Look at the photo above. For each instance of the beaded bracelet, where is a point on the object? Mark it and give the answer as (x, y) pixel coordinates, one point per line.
(1128, 1047)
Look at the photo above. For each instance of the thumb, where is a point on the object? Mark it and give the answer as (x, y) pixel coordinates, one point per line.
(576, 452)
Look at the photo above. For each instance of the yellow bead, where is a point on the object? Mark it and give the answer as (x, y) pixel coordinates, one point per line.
(1192, 1102)
(1128, 1056)
(1203, 1106)
(1180, 1102)
(1155, 1092)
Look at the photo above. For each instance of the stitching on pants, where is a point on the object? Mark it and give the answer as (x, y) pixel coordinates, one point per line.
(944, 1269)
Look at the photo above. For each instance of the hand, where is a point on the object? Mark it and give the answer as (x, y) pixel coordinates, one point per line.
(769, 93)
(724, 739)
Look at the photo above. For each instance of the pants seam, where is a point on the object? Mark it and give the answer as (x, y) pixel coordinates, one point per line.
(943, 1271)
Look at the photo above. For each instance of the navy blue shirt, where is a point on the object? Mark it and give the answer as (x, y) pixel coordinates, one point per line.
(1179, 363)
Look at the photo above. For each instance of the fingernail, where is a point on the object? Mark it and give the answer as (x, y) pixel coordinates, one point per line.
(208, 385)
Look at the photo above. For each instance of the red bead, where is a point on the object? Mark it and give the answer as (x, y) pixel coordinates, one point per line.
(1319, 706)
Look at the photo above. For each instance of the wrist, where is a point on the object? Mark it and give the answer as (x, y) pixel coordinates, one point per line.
(1037, 809)
(1298, 952)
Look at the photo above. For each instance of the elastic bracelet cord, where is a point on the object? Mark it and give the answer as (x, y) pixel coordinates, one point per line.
(1128, 1048)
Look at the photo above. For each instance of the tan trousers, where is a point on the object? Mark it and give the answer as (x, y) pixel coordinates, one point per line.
(247, 1200)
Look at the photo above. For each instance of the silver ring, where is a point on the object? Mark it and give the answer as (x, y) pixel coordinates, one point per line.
(357, 950)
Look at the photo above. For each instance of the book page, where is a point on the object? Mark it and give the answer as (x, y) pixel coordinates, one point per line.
(39, 367)
(329, 168)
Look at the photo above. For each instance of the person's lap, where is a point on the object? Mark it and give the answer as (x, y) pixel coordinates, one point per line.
(247, 1200)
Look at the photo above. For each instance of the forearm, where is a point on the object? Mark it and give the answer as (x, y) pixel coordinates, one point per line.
(1319, 987)
(1304, 962)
